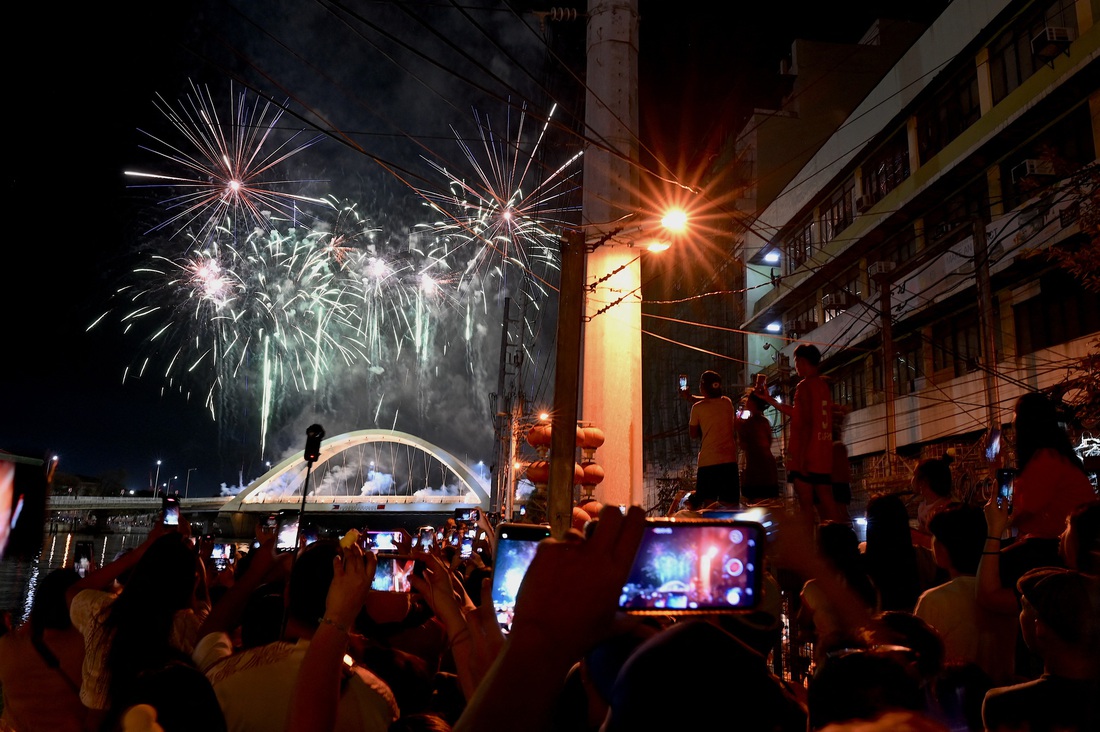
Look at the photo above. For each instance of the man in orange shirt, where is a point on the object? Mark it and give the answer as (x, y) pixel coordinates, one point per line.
(810, 449)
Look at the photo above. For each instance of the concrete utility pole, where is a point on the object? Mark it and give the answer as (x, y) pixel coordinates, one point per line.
(563, 421)
(612, 351)
(988, 330)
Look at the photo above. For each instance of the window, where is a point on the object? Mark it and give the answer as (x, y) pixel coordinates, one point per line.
(799, 247)
(956, 344)
(842, 294)
(953, 108)
(838, 214)
(1061, 312)
(885, 169)
(908, 364)
(1011, 62)
(954, 218)
(801, 319)
(1063, 149)
(849, 385)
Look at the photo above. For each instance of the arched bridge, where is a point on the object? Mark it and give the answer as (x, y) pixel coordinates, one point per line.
(364, 471)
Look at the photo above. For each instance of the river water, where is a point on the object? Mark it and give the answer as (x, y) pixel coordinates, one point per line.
(18, 579)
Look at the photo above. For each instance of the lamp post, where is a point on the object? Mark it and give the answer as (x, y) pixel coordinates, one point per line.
(156, 480)
(187, 483)
(576, 355)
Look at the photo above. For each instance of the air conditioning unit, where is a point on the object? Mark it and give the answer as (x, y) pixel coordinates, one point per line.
(838, 301)
(864, 203)
(875, 269)
(800, 327)
(1050, 42)
(1031, 166)
(1068, 216)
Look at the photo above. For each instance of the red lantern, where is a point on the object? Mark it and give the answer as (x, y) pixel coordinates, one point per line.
(578, 474)
(593, 437)
(593, 474)
(538, 472)
(539, 436)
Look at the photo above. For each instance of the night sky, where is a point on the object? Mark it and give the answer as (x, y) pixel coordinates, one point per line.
(82, 83)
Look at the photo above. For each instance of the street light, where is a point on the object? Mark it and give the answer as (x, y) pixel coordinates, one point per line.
(156, 480)
(187, 482)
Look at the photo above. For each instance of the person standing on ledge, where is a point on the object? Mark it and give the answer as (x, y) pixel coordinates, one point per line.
(810, 453)
(712, 422)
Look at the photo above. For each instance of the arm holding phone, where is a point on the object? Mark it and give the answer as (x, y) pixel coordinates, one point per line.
(227, 612)
(317, 690)
(762, 392)
(473, 633)
(104, 577)
(566, 604)
(992, 594)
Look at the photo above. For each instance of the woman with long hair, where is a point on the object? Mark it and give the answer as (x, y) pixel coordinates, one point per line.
(151, 623)
(1051, 480)
(889, 556)
(817, 620)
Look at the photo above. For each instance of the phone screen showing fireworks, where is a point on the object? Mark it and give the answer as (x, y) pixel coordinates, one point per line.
(384, 541)
(392, 574)
(171, 511)
(695, 566)
(1006, 478)
(287, 532)
(516, 546)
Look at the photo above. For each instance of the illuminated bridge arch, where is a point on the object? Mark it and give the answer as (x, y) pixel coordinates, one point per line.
(367, 470)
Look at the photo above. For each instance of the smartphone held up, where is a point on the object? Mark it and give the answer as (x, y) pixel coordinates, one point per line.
(696, 566)
(516, 545)
(286, 530)
(170, 511)
(1006, 479)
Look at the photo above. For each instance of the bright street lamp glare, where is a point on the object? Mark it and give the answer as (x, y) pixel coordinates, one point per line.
(773, 327)
(658, 246)
(675, 220)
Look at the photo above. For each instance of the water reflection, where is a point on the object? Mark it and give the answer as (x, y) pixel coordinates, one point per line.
(19, 579)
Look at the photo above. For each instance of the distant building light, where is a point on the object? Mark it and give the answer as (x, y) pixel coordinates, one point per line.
(775, 327)
(772, 257)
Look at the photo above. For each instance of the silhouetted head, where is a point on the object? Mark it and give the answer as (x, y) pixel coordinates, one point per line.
(1038, 426)
(711, 384)
(934, 475)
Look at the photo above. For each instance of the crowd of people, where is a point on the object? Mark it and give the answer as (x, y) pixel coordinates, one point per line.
(1000, 631)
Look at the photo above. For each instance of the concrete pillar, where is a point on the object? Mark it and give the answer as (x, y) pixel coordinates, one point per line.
(612, 349)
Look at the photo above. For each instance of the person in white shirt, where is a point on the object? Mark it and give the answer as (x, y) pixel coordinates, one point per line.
(970, 632)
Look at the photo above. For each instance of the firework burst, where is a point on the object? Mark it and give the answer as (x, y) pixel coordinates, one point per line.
(263, 316)
(504, 223)
(505, 220)
(223, 170)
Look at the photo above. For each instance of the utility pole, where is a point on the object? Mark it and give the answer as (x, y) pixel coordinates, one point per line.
(885, 307)
(504, 427)
(985, 319)
(612, 352)
(563, 420)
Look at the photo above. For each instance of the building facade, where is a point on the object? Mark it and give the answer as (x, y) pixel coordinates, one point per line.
(908, 247)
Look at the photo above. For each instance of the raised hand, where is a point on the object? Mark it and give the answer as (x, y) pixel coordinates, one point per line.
(570, 592)
(353, 572)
